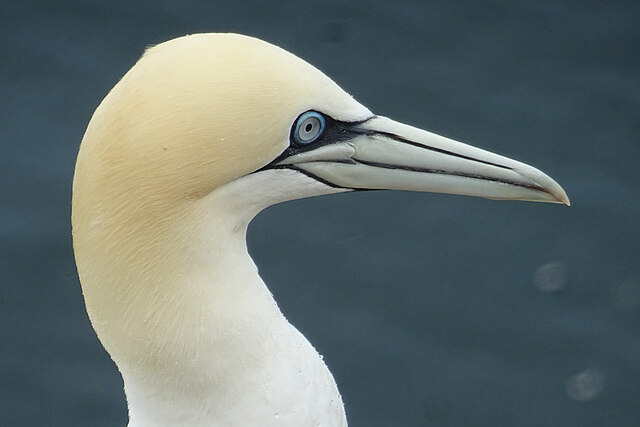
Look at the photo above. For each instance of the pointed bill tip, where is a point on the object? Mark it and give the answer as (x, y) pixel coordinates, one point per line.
(561, 198)
(545, 184)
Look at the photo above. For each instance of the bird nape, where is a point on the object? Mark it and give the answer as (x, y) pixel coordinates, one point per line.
(199, 136)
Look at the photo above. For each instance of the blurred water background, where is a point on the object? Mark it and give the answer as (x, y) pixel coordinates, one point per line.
(431, 310)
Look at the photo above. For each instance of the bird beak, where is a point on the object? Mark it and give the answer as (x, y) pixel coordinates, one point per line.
(380, 153)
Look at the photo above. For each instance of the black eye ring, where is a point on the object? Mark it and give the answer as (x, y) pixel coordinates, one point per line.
(308, 128)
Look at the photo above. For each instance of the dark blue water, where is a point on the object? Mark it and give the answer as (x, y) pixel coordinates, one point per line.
(430, 310)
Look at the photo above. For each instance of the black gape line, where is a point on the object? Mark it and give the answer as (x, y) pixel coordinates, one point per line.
(452, 173)
(336, 131)
(320, 180)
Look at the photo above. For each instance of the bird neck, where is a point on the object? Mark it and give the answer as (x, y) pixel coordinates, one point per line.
(203, 338)
(178, 303)
(181, 309)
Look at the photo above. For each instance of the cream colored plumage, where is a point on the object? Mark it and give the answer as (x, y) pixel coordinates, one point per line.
(185, 150)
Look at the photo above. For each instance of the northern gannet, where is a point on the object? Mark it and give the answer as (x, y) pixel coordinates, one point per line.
(199, 136)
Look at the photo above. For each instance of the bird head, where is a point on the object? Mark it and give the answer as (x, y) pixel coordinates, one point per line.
(202, 111)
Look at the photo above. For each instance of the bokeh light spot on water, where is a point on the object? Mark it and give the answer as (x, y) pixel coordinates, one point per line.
(586, 385)
(626, 296)
(551, 277)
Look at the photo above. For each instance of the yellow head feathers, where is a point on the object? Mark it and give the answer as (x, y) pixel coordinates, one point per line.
(198, 111)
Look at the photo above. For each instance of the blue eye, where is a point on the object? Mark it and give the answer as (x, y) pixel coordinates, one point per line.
(309, 128)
